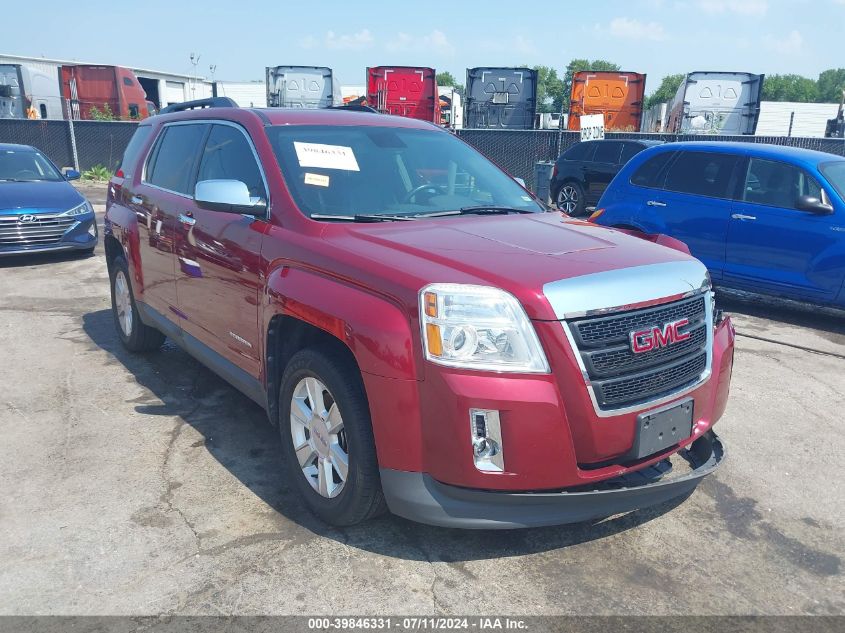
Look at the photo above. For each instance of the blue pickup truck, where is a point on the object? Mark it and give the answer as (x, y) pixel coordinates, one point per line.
(763, 218)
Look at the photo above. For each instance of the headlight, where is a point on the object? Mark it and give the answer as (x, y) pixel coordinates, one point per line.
(478, 327)
(83, 209)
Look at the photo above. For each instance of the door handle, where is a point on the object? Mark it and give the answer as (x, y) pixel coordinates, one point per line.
(655, 203)
(187, 219)
(136, 200)
(741, 216)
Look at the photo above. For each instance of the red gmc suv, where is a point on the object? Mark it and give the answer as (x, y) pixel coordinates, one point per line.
(425, 336)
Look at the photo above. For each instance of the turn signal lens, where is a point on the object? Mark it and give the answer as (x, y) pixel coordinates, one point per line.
(430, 300)
(596, 214)
(435, 342)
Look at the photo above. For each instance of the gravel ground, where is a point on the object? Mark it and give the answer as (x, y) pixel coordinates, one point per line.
(144, 484)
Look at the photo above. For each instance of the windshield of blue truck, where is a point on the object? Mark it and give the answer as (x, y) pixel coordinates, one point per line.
(26, 166)
(351, 170)
(835, 174)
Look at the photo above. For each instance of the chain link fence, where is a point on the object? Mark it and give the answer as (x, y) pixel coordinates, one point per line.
(84, 144)
(77, 144)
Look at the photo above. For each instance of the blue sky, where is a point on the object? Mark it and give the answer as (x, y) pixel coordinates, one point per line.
(653, 36)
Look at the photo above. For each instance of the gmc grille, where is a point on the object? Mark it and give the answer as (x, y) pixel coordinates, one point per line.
(46, 229)
(621, 378)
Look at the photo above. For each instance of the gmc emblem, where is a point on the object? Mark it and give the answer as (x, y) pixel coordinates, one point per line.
(657, 337)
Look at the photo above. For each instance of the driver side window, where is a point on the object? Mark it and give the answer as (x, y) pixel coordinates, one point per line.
(228, 156)
(777, 184)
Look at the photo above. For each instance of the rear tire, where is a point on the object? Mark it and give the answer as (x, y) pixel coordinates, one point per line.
(135, 335)
(327, 437)
(570, 199)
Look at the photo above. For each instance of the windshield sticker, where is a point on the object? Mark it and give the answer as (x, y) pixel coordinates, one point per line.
(316, 179)
(526, 198)
(325, 156)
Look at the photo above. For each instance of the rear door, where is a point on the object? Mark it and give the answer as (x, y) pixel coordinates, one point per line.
(163, 193)
(774, 247)
(602, 169)
(695, 204)
(218, 254)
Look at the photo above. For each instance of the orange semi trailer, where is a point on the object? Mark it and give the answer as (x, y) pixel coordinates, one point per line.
(619, 96)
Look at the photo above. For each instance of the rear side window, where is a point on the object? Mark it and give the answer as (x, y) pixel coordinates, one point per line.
(629, 150)
(133, 150)
(702, 174)
(652, 172)
(172, 163)
(777, 184)
(228, 156)
(607, 152)
(580, 151)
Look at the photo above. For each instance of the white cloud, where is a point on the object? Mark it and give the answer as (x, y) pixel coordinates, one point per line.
(740, 7)
(435, 42)
(792, 44)
(345, 41)
(633, 29)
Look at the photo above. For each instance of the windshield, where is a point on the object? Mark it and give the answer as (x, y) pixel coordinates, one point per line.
(26, 165)
(835, 174)
(351, 170)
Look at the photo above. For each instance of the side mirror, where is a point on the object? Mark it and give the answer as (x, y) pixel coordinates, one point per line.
(231, 196)
(71, 174)
(521, 182)
(811, 204)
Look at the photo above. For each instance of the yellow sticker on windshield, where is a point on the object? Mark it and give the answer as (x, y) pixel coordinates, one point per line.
(316, 179)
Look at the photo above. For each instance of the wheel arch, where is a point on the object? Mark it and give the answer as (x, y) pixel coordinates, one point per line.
(304, 307)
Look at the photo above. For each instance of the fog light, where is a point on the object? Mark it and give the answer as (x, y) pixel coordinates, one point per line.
(92, 230)
(486, 432)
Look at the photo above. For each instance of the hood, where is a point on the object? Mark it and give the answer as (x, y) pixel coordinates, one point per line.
(38, 197)
(518, 253)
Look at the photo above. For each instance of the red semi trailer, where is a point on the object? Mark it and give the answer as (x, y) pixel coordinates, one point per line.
(88, 89)
(404, 91)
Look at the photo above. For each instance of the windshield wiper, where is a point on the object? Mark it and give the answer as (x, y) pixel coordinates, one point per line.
(361, 217)
(484, 209)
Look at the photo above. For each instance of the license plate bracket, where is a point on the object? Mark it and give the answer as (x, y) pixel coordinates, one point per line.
(659, 429)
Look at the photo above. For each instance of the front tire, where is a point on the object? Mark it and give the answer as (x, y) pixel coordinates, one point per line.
(570, 199)
(327, 437)
(135, 335)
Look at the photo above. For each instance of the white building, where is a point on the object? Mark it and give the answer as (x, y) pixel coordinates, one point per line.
(247, 94)
(805, 119)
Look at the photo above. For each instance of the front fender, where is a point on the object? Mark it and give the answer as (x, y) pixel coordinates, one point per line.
(122, 224)
(373, 326)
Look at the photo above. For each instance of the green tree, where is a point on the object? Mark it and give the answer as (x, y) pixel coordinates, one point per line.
(789, 88)
(549, 89)
(830, 85)
(445, 78)
(577, 65)
(666, 92)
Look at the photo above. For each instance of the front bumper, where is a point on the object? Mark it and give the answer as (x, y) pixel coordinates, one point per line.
(421, 498)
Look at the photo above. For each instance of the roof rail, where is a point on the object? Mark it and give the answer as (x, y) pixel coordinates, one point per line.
(213, 102)
(354, 108)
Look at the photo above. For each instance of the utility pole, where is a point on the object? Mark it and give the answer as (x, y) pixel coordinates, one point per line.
(195, 60)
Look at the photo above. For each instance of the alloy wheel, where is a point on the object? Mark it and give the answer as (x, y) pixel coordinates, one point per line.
(123, 303)
(567, 199)
(319, 439)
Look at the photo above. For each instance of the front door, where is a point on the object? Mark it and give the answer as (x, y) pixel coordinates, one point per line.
(163, 190)
(773, 246)
(695, 204)
(602, 169)
(218, 255)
